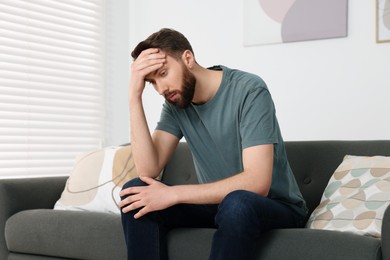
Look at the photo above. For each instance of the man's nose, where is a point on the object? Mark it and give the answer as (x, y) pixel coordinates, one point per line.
(161, 89)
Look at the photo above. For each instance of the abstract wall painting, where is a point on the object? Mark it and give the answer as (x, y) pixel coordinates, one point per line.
(279, 21)
(382, 21)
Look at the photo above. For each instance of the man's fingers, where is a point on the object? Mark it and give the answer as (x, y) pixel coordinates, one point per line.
(131, 190)
(150, 59)
(153, 56)
(128, 200)
(148, 52)
(133, 206)
(151, 53)
(147, 67)
(141, 212)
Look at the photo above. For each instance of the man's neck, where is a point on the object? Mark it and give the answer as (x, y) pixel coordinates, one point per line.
(207, 84)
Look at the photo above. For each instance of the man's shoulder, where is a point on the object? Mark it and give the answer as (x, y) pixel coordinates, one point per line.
(244, 79)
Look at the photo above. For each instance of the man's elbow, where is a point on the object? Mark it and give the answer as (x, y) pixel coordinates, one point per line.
(143, 171)
(263, 192)
(262, 189)
(150, 173)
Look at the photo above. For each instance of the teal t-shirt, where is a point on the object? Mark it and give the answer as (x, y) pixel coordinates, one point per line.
(240, 115)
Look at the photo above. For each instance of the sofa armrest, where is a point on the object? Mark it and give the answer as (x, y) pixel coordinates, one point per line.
(22, 194)
(386, 235)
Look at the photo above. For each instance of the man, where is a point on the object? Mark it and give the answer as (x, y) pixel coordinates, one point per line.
(228, 120)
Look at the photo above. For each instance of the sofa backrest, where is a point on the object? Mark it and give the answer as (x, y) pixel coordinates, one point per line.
(180, 169)
(313, 163)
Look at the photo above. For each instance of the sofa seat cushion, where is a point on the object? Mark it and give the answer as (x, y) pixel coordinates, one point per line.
(68, 234)
(282, 244)
(318, 244)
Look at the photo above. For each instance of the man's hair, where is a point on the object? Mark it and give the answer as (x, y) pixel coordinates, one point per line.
(170, 41)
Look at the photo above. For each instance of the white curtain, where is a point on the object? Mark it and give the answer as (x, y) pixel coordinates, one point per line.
(51, 84)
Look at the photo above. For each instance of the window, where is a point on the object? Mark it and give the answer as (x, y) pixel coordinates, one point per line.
(51, 84)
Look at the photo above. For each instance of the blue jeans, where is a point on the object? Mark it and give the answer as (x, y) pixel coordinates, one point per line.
(240, 219)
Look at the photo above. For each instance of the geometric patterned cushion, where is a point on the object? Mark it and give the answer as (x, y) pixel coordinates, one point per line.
(356, 197)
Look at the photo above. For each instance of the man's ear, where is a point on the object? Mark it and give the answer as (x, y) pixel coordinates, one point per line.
(188, 59)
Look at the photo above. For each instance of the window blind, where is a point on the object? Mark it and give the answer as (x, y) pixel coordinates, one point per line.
(51, 84)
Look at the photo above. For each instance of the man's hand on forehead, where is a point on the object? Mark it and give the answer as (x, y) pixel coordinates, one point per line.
(155, 56)
(149, 61)
(150, 77)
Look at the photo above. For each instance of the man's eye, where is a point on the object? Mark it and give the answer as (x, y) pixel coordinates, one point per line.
(163, 73)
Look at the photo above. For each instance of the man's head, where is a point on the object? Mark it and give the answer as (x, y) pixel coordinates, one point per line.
(169, 41)
(173, 80)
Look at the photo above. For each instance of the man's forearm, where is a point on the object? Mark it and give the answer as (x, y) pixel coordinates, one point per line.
(144, 151)
(213, 193)
(158, 196)
(256, 177)
(141, 140)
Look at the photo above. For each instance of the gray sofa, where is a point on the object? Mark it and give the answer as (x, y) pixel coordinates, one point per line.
(31, 230)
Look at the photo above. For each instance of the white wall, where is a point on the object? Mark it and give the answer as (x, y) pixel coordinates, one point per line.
(325, 89)
(117, 72)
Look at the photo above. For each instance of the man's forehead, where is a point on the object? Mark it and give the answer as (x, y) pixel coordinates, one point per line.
(167, 62)
(153, 74)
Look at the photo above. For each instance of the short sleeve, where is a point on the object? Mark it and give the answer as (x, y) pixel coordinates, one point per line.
(258, 124)
(168, 123)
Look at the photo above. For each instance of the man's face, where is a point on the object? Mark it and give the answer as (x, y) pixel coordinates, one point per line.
(175, 82)
(182, 98)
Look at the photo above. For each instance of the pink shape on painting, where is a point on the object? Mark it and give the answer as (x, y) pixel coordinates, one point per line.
(315, 19)
(276, 10)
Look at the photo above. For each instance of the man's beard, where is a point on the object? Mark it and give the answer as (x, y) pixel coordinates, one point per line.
(188, 90)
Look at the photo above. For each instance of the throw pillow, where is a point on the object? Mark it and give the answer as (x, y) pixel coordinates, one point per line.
(96, 180)
(356, 197)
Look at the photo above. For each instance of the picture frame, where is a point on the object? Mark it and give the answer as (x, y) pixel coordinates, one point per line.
(273, 21)
(382, 21)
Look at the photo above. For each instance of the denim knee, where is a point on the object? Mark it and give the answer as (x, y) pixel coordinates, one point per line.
(237, 228)
(236, 209)
(134, 183)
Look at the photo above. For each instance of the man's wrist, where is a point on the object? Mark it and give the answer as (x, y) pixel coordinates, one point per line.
(175, 195)
(135, 99)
